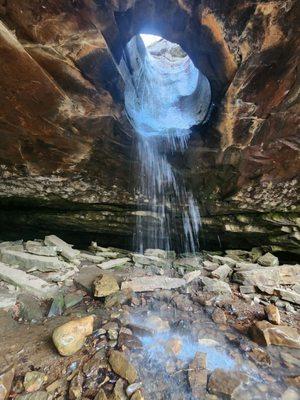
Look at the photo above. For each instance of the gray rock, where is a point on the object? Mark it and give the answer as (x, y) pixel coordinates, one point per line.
(247, 289)
(222, 260)
(64, 248)
(90, 257)
(221, 272)
(280, 275)
(27, 282)
(140, 259)
(57, 306)
(151, 283)
(39, 249)
(156, 253)
(246, 266)
(192, 276)
(210, 266)
(27, 261)
(215, 285)
(71, 299)
(107, 254)
(189, 263)
(268, 260)
(296, 288)
(30, 308)
(86, 277)
(288, 295)
(113, 263)
(61, 276)
(238, 255)
(7, 299)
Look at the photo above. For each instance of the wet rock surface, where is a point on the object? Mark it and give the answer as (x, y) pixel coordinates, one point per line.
(176, 332)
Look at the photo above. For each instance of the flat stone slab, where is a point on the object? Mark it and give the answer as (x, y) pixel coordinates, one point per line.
(151, 283)
(40, 250)
(150, 260)
(271, 276)
(92, 258)
(288, 295)
(27, 261)
(29, 283)
(64, 248)
(113, 263)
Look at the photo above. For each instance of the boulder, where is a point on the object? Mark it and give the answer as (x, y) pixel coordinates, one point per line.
(225, 383)
(105, 285)
(114, 263)
(27, 282)
(64, 248)
(151, 283)
(70, 337)
(27, 261)
(273, 314)
(122, 367)
(265, 334)
(268, 260)
(6, 379)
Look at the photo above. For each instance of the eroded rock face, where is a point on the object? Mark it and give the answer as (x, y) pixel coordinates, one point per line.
(66, 144)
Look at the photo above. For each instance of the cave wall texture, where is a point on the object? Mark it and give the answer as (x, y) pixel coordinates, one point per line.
(67, 156)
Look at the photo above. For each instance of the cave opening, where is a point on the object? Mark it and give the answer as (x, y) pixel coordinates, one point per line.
(165, 96)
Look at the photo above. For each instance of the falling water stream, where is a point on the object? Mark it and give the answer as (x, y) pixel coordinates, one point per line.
(165, 95)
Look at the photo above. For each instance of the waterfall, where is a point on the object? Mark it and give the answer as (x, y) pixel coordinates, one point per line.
(165, 95)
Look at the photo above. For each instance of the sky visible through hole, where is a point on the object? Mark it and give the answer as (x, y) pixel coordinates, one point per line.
(149, 39)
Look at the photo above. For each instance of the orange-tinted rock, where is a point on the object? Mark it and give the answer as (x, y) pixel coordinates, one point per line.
(273, 314)
(265, 333)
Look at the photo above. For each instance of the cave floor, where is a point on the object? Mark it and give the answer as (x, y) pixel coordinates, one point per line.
(183, 340)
